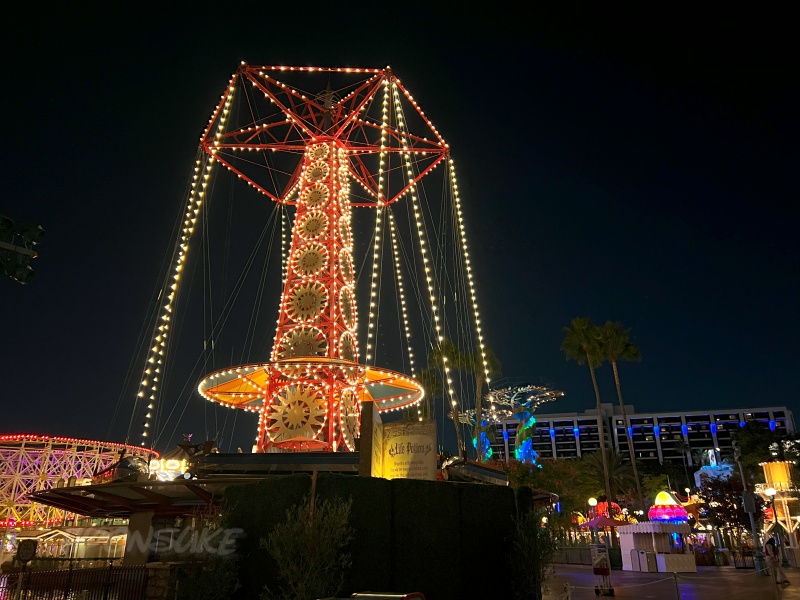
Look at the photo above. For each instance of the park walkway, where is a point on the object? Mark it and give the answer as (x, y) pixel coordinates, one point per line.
(709, 583)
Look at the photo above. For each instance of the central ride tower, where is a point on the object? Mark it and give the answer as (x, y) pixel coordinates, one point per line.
(309, 395)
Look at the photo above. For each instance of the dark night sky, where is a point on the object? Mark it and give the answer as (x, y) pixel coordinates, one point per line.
(633, 167)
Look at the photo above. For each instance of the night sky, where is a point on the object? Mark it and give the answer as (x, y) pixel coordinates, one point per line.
(638, 167)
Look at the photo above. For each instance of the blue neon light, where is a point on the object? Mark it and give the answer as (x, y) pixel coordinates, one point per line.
(657, 430)
(630, 432)
(486, 446)
(525, 452)
(742, 423)
(505, 434)
(684, 429)
(714, 428)
(552, 433)
(576, 431)
(772, 425)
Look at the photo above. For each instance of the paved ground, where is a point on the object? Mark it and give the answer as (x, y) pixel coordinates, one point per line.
(709, 583)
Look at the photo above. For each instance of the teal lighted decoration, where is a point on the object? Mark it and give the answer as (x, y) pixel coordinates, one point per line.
(514, 401)
(486, 446)
(524, 452)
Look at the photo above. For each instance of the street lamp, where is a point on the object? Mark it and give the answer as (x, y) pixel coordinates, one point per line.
(592, 505)
(749, 501)
(771, 492)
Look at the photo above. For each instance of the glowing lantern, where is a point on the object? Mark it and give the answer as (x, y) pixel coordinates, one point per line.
(667, 509)
(602, 509)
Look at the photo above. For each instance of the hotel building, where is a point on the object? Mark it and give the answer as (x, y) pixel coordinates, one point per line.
(657, 436)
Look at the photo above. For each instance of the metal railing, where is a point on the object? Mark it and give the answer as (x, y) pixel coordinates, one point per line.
(575, 555)
(109, 583)
(743, 559)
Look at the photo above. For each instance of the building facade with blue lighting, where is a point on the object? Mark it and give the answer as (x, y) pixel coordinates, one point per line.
(656, 436)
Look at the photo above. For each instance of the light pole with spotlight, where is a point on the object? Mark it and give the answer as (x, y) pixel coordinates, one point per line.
(592, 505)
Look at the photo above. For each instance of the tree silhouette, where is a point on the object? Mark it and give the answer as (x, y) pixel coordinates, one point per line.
(448, 354)
(615, 345)
(581, 345)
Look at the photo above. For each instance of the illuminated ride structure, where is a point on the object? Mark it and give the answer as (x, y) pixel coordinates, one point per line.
(517, 401)
(33, 463)
(782, 510)
(361, 142)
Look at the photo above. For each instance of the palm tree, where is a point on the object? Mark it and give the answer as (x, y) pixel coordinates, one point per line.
(615, 345)
(448, 353)
(580, 344)
(432, 379)
(474, 365)
(620, 473)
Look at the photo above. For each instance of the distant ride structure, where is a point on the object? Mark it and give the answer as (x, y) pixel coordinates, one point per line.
(33, 463)
(323, 142)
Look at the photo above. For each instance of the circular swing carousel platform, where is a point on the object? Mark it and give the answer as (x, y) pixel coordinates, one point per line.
(310, 412)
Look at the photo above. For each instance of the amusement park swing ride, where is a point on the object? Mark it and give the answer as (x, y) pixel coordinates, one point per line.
(366, 211)
(321, 144)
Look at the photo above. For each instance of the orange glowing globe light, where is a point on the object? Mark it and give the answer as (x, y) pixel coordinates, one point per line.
(668, 510)
(602, 509)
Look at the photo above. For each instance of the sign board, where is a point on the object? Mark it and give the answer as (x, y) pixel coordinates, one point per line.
(396, 450)
(168, 469)
(409, 450)
(600, 562)
(26, 550)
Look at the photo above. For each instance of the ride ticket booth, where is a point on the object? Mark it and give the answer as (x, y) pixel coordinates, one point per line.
(656, 547)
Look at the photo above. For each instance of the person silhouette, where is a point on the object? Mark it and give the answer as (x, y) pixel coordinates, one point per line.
(771, 550)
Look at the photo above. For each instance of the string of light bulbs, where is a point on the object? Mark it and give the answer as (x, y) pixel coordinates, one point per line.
(149, 385)
(419, 221)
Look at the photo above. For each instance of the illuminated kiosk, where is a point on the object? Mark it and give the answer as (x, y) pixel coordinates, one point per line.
(658, 545)
(309, 394)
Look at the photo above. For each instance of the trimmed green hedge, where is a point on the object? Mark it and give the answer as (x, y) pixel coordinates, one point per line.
(426, 539)
(371, 520)
(487, 526)
(447, 540)
(257, 508)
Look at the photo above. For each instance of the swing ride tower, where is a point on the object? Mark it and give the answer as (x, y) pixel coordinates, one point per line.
(325, 144)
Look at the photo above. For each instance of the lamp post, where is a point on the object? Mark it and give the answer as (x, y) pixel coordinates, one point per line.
(771, 492)
(592, 505)
(748, 499)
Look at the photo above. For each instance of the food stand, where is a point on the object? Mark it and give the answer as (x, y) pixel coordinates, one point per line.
(642, 542)
(658, 545)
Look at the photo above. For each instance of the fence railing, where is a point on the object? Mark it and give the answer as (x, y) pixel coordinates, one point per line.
(109, 583)
(743, 559)
(575, 555)
(582, 555)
